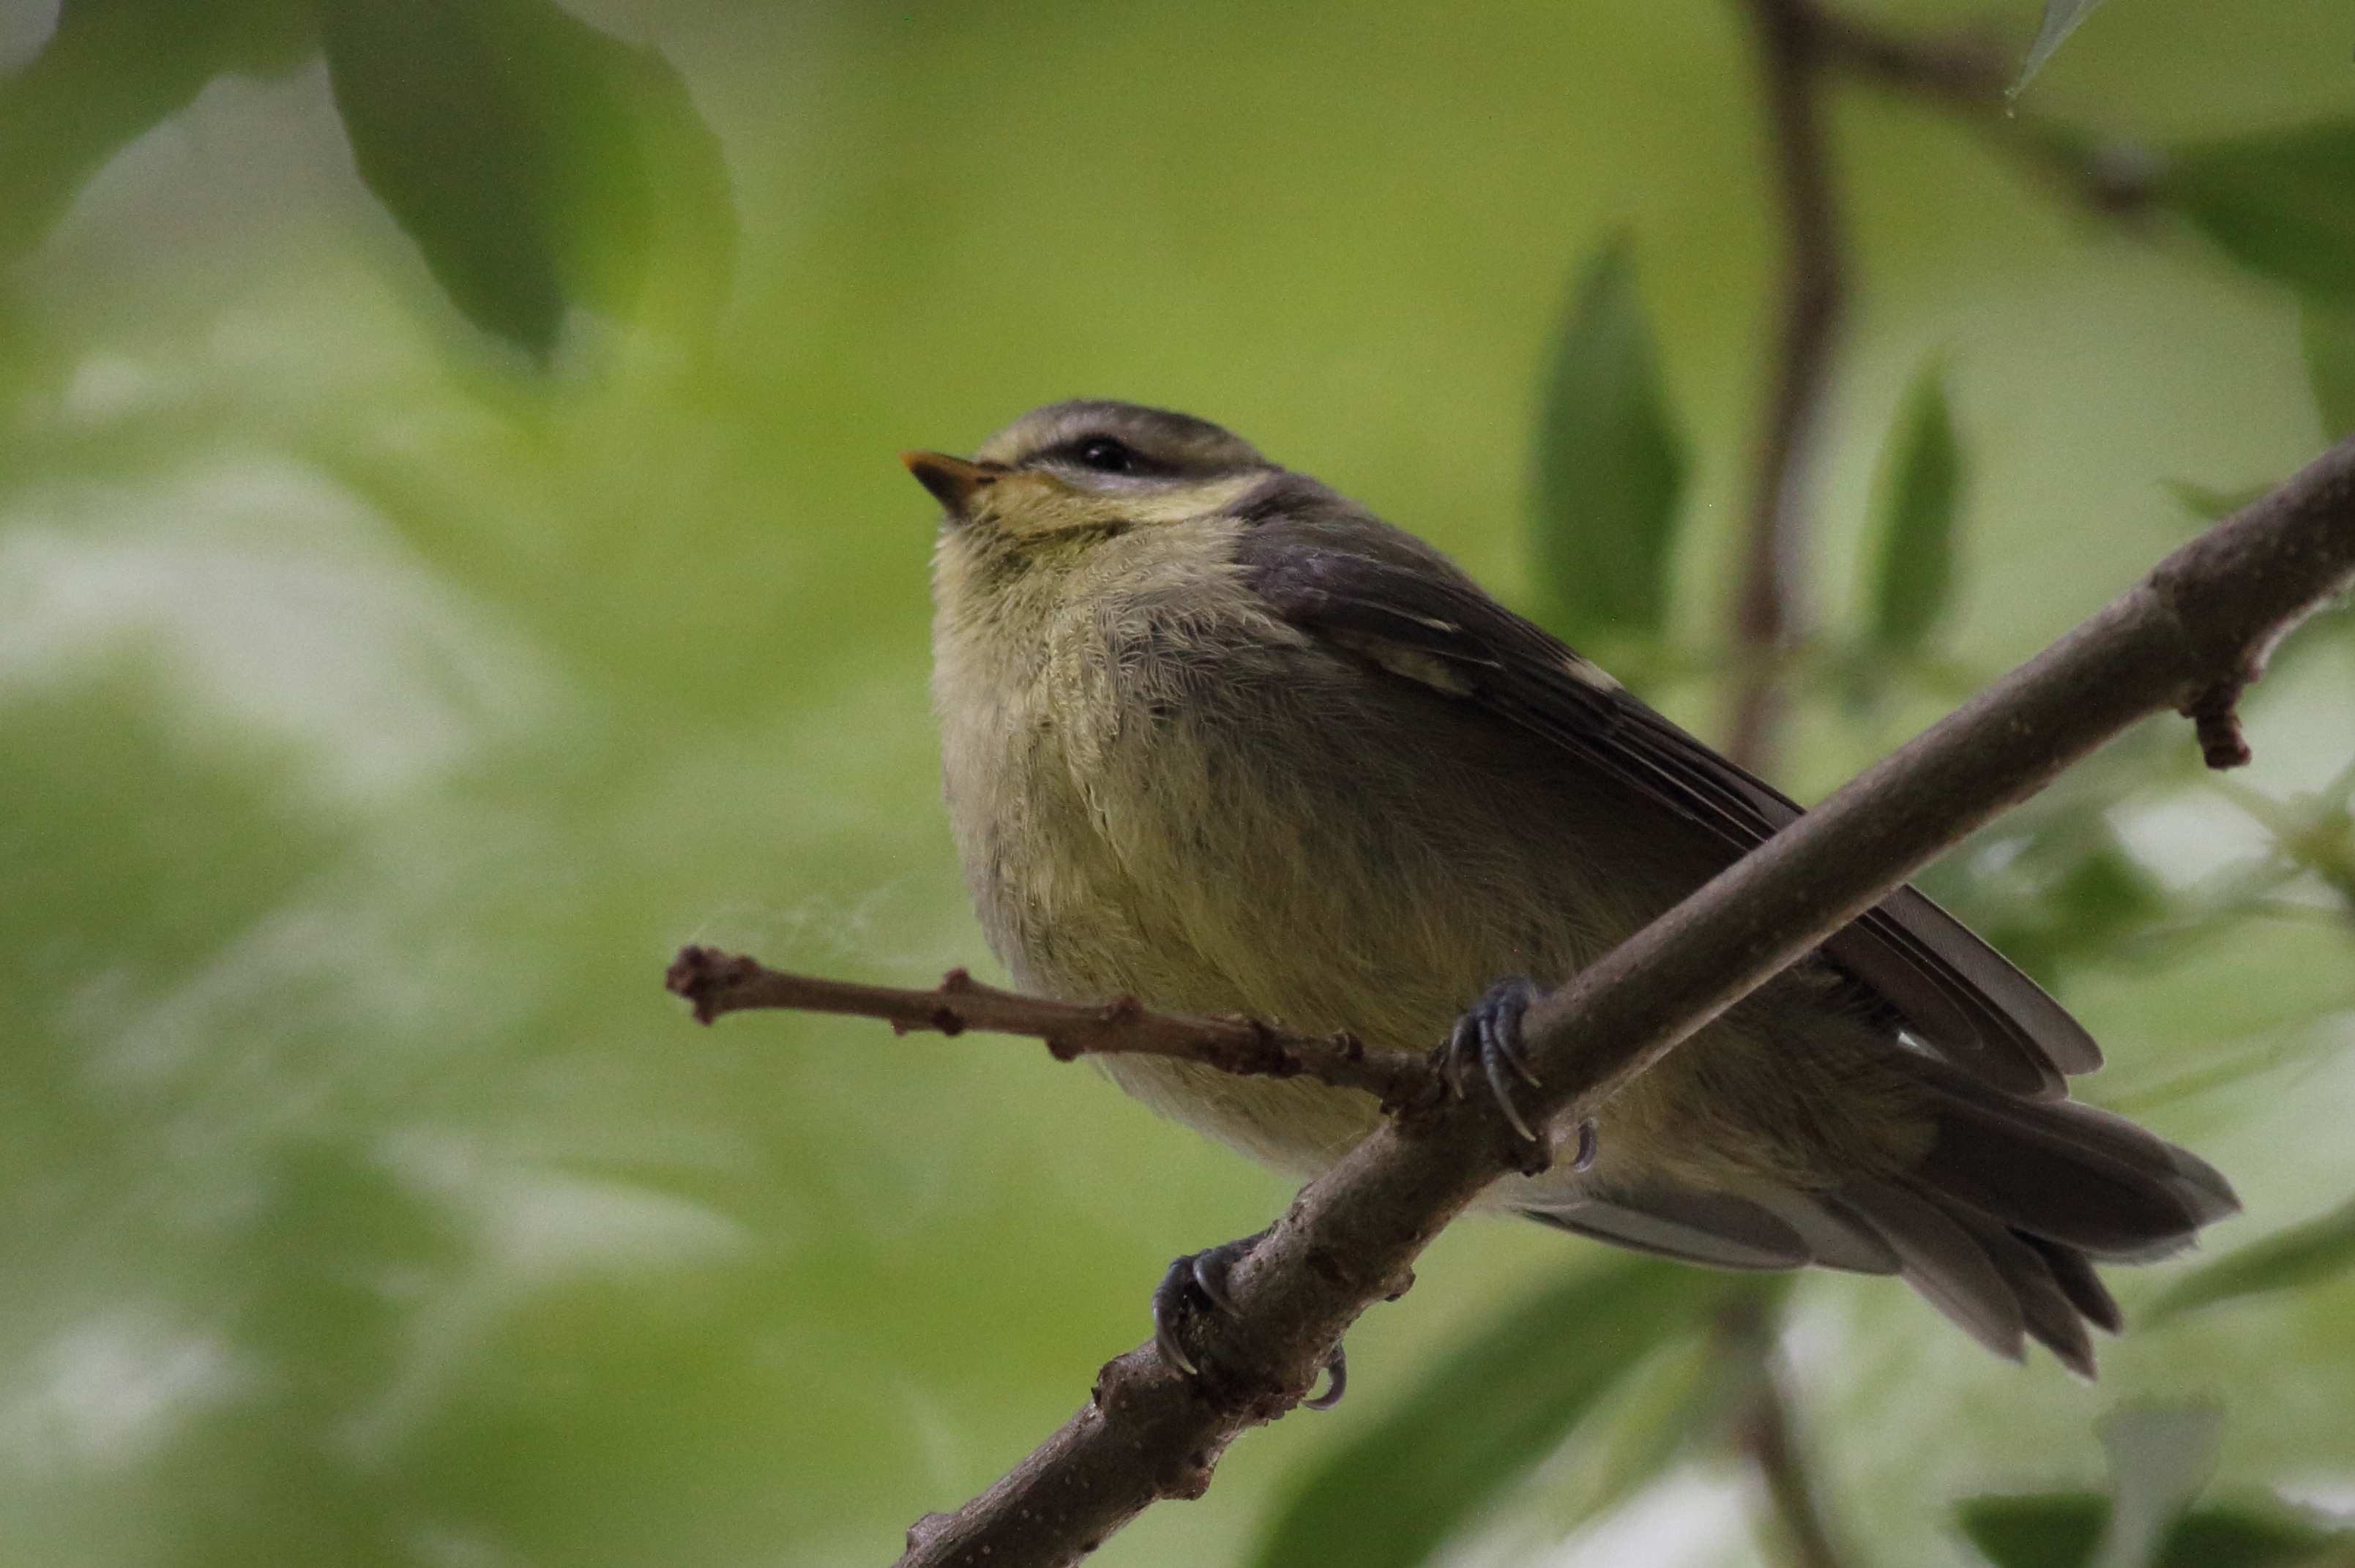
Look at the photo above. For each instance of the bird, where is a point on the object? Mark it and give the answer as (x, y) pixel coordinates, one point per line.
(1216, 737)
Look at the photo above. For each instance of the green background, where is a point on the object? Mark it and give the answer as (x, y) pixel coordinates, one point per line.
(378, 714)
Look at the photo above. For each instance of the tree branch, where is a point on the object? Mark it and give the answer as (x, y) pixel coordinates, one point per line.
(1965, 70)
(719, 983)
(2204, 621)
(2206, 616)
(1791, 39)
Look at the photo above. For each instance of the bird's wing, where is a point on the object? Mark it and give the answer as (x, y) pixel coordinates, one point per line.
(1383, 597)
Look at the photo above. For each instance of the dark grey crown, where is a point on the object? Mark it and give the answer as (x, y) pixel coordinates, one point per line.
(1164, 444)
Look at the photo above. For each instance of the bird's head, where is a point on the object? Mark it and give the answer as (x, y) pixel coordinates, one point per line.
(1081, 472)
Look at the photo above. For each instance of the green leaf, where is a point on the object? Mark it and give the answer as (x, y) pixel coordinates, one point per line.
(1490, 1413)
(2210, 504)
(2061, 19)
(534, 160)
(2328, 334)
(1675, 1398)
(2230, 1537)
(111, 72)
(1915, 581)
(2106, 895)
(2059, 1530)
(2161, 1457)
(2069, 894)
(2280, 203)
(1611, 467)
(2054, 1529)
(2320, 1249)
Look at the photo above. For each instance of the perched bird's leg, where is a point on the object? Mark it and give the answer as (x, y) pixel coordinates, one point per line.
(1492, 1031)
(1203, 1275)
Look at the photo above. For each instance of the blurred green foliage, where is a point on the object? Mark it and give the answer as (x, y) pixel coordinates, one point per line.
(450, 555)
(1610, 469)
(111, 71)
(2330, 341)
(2281, 203)
(1485, 1415)
(2307, 1254)
(525, 152)
(2161, 1459)
(2062, 1529)
(1913, 584)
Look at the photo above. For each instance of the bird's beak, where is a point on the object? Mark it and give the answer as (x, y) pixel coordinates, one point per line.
(953, 480)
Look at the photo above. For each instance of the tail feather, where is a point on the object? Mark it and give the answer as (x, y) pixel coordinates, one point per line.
(1945, 1262)
(2049, 1316)
(1997, 1223)
(2080, 1283)
(1834, 1237)
(1716, 1229)
(2068, 1173)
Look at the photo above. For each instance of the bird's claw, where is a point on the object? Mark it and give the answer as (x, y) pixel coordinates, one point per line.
(1203, 1276)
(1337, 1381)
(1491, 1031)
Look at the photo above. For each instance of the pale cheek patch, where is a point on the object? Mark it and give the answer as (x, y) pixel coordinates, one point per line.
(1035, 507)
(1027, 506)
(1177, 505)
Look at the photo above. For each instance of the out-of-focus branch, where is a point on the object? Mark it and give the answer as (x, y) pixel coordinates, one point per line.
(1965, 73)
(1795, 42)
(1768, 1433)
(1802, 46)
(1792, 55)
(2205, 619)
(719, 983)
(1773, 1447)
(2209, 614)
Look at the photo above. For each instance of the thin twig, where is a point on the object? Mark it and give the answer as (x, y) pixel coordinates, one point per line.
(1795, 40)
(1965, 70)
(1801, 42)
(1774, 1449)
(719, 983)
(1768, 1433)
(2208, 613)
(1791, 55)
(1966, 74)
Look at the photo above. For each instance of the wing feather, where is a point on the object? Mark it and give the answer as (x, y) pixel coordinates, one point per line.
(1339, 574)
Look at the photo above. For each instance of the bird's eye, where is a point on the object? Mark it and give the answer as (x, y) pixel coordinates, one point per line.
(1106, 455)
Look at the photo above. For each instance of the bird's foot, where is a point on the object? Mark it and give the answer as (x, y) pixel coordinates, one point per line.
(1200, 1282)
(1491, 1034)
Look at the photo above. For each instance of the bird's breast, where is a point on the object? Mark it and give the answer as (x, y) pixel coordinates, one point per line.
(1167, 793)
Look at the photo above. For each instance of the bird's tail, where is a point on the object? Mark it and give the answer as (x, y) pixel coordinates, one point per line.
(1997, 1224)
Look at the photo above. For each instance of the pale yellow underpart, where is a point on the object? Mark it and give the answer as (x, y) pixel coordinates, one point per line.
(1201, 867)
